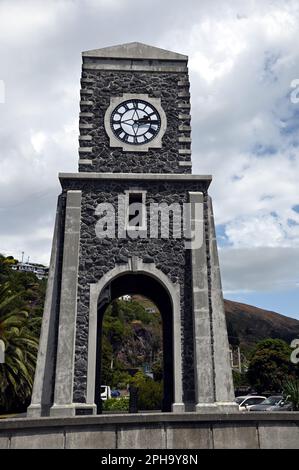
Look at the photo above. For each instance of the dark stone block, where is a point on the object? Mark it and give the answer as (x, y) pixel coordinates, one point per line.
(148, 259)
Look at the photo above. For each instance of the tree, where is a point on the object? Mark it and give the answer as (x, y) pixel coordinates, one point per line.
(149, 392)
(270, 365)
(240, 379)
(157, 369)
(21, 346)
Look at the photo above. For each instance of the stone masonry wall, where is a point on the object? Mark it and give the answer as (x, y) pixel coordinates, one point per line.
(100, 256)
(173, 89)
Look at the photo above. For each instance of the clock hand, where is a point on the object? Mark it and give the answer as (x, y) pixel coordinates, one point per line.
(126, 121)
(146, 121)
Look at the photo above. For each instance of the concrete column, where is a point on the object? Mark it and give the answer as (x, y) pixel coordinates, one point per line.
(203, 354)
(63, 397)
(224, 388)
(42, 394)
(178, 406)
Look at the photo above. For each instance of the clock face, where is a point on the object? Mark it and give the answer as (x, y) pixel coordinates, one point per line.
(135, 122)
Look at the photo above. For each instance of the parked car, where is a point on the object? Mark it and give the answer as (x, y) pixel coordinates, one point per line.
(105, 392)
(246, 402)
(274, 403)
(267, 404)
(115, 393)
(284, 405)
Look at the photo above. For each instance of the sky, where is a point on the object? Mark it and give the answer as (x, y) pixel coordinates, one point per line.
(243, 64)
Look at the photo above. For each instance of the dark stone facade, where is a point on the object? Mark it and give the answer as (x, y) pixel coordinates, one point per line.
(101, 86)
(97, 257)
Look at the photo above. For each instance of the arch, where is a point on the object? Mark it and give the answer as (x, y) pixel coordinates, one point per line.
(136, 266)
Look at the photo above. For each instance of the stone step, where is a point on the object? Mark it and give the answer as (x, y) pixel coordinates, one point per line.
(185, 139)
(184, 105)
(86, 103)
(85, 161)
(86, 115)
(85, 126)
(87, 80)
(185, 128)
(184, 116)
(86, 91)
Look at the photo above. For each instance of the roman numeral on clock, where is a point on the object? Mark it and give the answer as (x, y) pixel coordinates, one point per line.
(118, 131)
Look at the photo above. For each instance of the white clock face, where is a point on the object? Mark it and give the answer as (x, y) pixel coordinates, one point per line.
(135, 122)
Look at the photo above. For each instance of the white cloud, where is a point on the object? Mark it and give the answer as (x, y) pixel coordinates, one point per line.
(28, 21)
(38, 141)
(259, 269)
(262, 230)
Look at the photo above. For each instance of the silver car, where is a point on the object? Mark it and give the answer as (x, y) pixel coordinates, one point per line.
(267, 404)
(274, 403)
(246, 402)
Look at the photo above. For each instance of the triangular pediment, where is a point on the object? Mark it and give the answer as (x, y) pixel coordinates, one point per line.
(134, 50)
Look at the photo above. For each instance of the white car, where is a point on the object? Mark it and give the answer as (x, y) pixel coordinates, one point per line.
(105, 392)
(246, 402)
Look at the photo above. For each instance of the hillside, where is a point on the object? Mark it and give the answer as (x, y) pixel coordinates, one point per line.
(134, 332)
(248, 325)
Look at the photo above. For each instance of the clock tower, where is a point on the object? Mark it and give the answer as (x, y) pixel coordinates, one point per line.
(135, 111)
(134, 220)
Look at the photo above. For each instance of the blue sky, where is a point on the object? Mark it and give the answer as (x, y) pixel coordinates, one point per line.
(243, 59)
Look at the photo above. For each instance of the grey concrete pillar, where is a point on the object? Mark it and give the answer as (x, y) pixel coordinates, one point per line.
(42, 394)
(203, 355)
(63, 396)
(224, 389)
(178, 406)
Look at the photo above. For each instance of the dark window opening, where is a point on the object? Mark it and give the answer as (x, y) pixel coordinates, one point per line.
(135, 210)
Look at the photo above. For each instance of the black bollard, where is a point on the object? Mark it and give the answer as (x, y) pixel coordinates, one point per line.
(100, 407)
(133, 400)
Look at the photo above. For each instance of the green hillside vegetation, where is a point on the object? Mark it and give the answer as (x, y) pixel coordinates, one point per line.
(132, 339)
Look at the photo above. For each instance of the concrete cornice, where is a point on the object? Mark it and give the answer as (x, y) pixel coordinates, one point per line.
(90, 176)
(109, 419)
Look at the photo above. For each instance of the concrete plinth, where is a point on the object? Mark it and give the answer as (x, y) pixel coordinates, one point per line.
(246, 430)
(90, 438)
(217, 407)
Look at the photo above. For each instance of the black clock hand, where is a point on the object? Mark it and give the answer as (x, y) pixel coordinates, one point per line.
(146, 121)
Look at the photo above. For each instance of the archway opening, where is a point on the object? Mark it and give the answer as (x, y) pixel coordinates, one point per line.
(136, 286)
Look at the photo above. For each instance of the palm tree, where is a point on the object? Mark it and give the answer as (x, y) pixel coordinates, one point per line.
(16, 374)
(291, 390)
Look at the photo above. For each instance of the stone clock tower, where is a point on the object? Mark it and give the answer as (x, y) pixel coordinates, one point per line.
(134, 220)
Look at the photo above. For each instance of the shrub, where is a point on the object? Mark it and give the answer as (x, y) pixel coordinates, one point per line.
(116, 404)
(291, 390)
(270, 365)
(149, 392)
